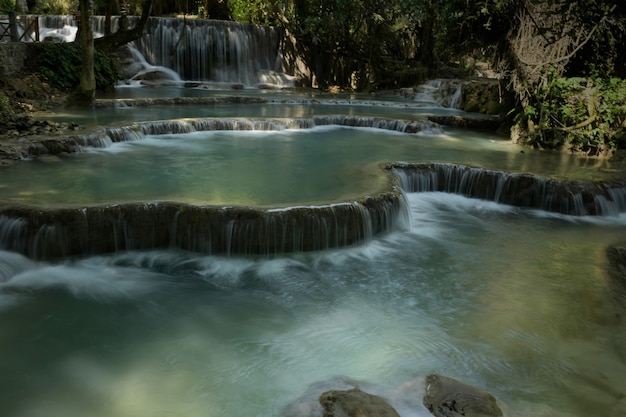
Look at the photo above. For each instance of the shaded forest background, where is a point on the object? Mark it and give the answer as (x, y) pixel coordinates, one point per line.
(565, 61)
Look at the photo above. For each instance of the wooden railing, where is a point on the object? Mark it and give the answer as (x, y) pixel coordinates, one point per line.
(19, 28)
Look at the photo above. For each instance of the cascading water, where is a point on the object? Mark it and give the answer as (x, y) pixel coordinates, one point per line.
(438, 93)
(196, 50)
(522, 190)
(154, 303)
(57, 28)
(141, 70)
(216, 51)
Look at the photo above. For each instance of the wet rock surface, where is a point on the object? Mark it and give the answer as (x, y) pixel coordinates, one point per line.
(435, 394)
(482, 96)
(22, 124)
(447, 397)
(22, 137)
(355, 403)
(467, 122)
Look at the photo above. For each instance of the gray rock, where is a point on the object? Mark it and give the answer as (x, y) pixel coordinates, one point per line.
(447, 397)
(355, 403)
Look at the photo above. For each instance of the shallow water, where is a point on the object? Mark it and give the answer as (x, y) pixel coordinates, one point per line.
(263, 168)
(516, 302)
(260, 168)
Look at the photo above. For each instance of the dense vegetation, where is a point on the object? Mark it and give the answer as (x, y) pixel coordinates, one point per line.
(58, 63)
(565, 60)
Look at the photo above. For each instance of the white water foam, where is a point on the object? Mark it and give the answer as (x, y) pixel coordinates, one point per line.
(82, 281)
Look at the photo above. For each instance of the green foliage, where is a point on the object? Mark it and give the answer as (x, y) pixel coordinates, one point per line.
(58, 7)
(584, 114)
(358, 43)
(7, 6)
(60, 63)
(258, 12)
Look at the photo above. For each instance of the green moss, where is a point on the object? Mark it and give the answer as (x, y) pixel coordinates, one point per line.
(7, 6)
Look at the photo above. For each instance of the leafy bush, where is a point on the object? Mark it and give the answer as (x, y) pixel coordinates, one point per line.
(6, 6)
(58, 7)
(60, 63)
(582, 114)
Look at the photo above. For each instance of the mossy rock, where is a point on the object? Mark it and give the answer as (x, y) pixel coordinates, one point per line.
(447, 397)
(355, 403)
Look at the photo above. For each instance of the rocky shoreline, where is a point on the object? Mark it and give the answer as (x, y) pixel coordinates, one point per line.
(22, 137)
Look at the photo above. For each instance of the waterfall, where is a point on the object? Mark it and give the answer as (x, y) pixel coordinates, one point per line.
(141, 130)
(53, 233)
(141, 70)
(446, 93)
(57, 28)
(211, 50)
(522, 190)
(194, 49)
(455, 100)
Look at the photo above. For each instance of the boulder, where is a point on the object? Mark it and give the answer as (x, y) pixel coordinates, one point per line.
(355, 403)
(447, 397)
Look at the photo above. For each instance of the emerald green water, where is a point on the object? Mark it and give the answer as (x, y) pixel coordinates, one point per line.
(516, 302)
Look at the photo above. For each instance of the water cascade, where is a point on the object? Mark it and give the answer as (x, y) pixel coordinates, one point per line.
(217, 51)
(576, 198)
(438, 93)
(56, 233)
(128, 288)
(57, 28)
(197, 50)
(105, 137)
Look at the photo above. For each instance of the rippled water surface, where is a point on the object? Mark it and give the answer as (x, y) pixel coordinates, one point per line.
(515, 302)
(221, 167)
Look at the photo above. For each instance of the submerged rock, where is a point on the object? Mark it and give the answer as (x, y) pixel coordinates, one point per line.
(355, 403)
(447, 397)
(616, 255)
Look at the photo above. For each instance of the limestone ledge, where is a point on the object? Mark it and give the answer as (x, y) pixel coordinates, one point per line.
(578, 198)
(51, 233)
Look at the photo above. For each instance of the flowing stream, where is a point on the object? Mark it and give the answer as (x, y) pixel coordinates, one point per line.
(514, 301)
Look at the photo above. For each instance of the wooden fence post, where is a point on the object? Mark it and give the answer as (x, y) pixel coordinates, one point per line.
(13, 26)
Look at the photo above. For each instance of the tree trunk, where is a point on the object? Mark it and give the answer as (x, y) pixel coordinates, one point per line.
(110, 9)
(86, 92)
(123, 35)
(427, 53)
(21, 7)
(13, 27)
